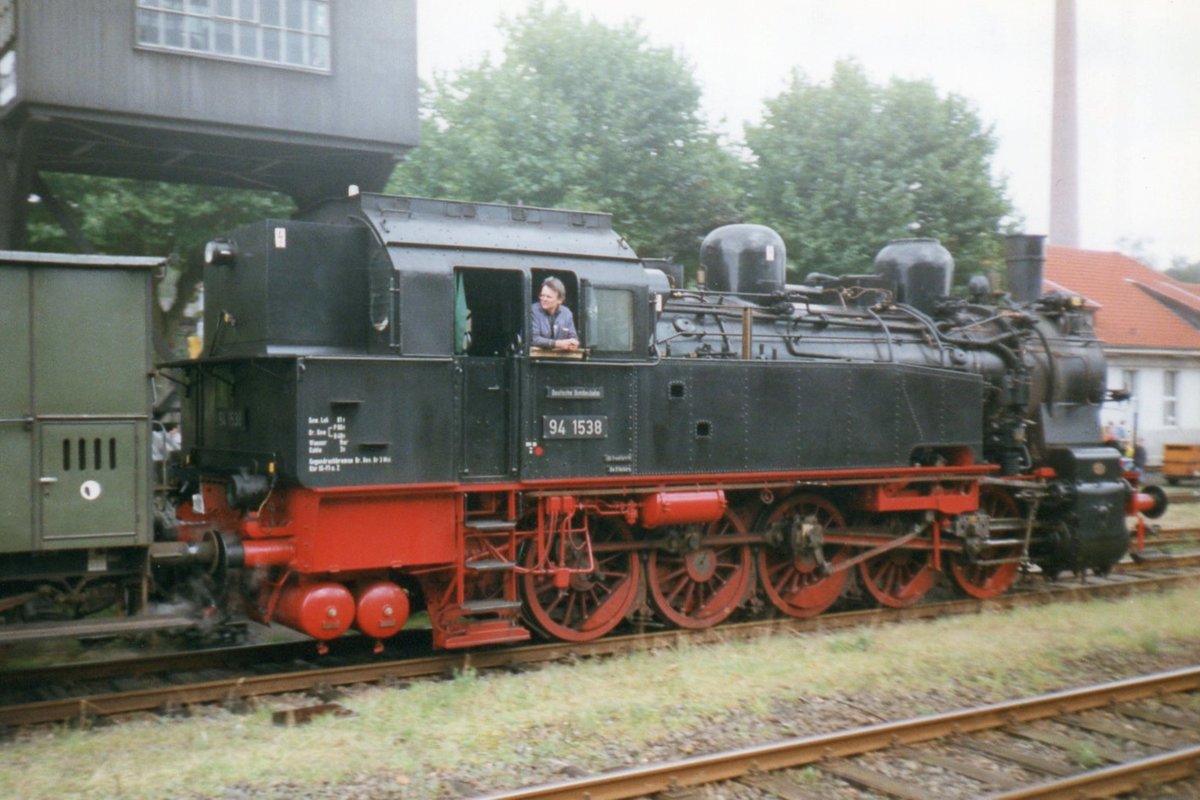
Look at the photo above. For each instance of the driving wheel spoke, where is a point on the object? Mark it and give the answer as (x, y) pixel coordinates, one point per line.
(898, 578)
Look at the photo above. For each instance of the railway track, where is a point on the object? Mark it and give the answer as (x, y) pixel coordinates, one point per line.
(1159, 536)
(87, 692)
(1182, 494)
(415, 643)
(1096, 741)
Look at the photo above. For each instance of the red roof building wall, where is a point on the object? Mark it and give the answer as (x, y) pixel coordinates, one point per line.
(1150, 326)
(1122, 290)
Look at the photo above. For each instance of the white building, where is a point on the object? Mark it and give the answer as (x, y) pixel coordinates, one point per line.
(1150, 325)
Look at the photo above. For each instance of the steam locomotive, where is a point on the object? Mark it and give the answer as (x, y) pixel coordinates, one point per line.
(369, 432)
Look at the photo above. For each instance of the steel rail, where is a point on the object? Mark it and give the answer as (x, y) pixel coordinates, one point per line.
(1152, 561)
(197, 659)
(803, 751)
(1182, 495)
(1114, 780)
(1171, 534)
(113, 627)
(85, 708)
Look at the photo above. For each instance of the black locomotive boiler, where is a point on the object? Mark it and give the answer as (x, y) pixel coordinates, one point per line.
(369, 431)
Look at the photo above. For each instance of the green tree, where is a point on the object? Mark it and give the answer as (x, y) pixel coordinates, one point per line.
(126, 217)
(841, 169)
(579, 115)
(1183, 270)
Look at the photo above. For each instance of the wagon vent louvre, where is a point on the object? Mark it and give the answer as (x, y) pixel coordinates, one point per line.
(81, 449)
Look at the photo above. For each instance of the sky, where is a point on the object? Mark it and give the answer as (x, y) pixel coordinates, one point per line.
(1138, 91)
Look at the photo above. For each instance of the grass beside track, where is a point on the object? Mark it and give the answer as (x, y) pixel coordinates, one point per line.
(408, 742)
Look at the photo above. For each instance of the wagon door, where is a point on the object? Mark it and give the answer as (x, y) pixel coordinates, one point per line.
(91, 407)
(89, 483)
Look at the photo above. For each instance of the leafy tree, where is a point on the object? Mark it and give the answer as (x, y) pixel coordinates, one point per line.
(579, 115)
(1182, 270)
(127, 217)
(841, 169)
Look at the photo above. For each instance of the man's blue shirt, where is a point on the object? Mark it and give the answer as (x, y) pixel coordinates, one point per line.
(545, 329)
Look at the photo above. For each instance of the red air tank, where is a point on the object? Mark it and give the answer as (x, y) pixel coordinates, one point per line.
(381, 609)
(682, 508)
(323, 610)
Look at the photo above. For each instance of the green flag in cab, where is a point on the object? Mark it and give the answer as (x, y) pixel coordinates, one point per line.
(462, 317)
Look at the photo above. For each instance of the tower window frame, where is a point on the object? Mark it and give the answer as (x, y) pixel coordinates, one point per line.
(286, 34)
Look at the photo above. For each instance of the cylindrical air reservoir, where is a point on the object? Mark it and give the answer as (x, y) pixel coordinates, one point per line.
(1025, 258)
(381, 609)
(682, 508)
(745, 259)
(323, 610)
(921, 269)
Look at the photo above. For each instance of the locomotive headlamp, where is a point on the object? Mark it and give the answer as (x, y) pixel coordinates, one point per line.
(245, 491)
(220, 252)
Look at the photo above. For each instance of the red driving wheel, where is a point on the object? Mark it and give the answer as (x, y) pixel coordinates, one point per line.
(988, 580)
(704, 585)
(797, 584)
(592, 603)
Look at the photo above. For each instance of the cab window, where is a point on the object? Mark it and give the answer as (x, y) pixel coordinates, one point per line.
(489, 314)
(610, 320)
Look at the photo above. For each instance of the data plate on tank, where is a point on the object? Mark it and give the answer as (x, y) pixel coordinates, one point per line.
(575, 426)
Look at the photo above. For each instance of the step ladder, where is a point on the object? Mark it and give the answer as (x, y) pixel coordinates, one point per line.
(489, 611)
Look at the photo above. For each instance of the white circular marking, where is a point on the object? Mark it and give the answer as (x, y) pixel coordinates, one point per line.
(90, 490)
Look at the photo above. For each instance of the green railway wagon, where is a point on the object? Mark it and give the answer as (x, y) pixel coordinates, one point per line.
(75, 426)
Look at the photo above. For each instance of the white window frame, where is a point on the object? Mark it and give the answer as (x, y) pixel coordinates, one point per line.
(1129, 380)
(191, 27)
(1170, 398)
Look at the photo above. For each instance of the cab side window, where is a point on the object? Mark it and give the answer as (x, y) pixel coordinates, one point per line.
(610, 321)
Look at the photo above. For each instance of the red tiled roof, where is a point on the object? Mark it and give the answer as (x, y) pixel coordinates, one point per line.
(1125, 293)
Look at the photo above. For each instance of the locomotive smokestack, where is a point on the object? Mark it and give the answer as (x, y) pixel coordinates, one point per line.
(1025, 257)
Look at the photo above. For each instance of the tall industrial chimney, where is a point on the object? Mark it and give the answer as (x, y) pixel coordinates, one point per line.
(1064, 136)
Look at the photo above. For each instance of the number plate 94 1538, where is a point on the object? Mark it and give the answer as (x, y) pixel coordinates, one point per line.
(575, 426)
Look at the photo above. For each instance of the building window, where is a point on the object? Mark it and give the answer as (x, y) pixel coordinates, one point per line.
(8, 77)
(8, 61)
(289, 33)
(1129, 381)
(1170, 389)
(8, 23)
